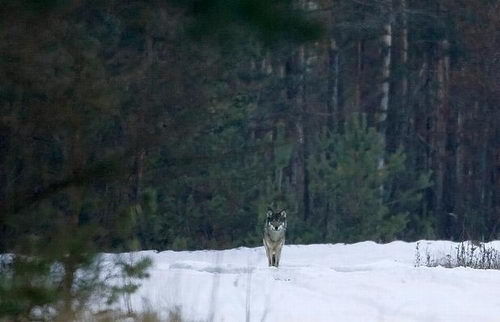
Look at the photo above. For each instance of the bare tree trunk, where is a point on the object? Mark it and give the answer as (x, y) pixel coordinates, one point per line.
(459, 163)
(404, 49)
(138, 174)
(359, 76)
(140, 125)
(384, 89)
(70, 225)
(296, 96)
(385, 84)
(404, 64)
(486, 200)
(440, 127)
(300, 105)
(333, 84)
(496, 176)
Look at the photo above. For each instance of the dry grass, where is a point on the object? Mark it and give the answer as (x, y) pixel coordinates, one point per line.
(466, 254)
(113, 316)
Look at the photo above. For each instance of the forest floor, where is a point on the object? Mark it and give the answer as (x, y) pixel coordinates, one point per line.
(359, 282)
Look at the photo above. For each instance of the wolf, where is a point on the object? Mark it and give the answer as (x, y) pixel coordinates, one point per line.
(274, 235)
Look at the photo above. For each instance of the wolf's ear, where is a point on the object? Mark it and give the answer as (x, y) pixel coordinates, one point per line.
(283, 213)
(269, 213)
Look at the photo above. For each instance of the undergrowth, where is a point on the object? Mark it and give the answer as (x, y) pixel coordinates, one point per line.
(147, 315)
(476, 255)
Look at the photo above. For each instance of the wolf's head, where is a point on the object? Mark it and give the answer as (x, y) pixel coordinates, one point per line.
(276, 220)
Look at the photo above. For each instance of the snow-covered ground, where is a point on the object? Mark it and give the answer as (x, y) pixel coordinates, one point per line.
(359, 282)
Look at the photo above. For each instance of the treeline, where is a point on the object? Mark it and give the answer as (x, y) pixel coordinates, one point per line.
(175, 124)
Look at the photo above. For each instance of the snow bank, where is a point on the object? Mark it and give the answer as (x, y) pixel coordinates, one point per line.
(360, 282)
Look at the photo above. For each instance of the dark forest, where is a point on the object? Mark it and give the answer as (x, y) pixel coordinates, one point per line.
(174, 125)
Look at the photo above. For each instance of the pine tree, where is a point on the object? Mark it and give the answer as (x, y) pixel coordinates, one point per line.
(347, 186)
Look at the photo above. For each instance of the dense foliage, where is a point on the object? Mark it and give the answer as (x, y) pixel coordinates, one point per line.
(175, 124)
(170, 124)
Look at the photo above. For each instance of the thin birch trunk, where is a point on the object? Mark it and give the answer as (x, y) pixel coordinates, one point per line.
(385, 86)
(386, 74)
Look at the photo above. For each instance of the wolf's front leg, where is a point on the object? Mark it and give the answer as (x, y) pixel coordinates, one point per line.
(267, 252)
(278, 253)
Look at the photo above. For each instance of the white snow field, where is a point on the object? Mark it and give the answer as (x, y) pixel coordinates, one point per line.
(360, 282)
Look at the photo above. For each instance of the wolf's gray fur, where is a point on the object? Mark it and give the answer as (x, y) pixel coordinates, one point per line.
(274, 235)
